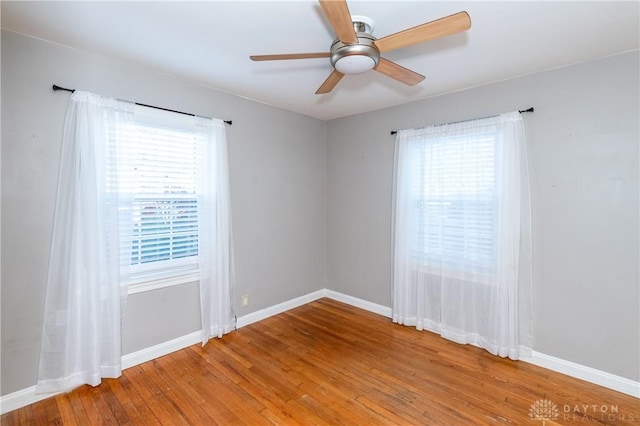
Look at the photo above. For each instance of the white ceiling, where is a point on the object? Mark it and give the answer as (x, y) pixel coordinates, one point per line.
(210, 43)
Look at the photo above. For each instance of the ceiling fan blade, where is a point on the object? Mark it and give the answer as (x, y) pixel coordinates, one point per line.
(397, 72)
(429, 31)
(338, 14)
(330, 82)
(289, 56)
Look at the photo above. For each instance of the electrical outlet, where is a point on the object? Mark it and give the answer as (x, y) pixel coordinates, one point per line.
(245, 301)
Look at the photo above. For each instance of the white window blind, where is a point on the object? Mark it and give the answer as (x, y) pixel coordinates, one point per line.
(157, 169)
(454, 192)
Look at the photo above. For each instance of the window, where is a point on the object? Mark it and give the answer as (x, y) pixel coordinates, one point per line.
(455, 197)
(157, 169)
(462, 233)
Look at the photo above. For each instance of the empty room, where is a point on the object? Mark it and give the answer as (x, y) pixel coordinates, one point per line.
(320, 212)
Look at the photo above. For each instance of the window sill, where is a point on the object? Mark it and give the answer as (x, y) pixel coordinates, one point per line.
(143, 284)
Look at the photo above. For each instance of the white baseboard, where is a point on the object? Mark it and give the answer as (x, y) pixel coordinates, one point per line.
(359, 303)
(162, 349)
(579, 371)
(28, 396)
(279, 308)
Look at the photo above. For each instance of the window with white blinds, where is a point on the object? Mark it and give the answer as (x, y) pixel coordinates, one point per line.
(454, 190)
(157, 176)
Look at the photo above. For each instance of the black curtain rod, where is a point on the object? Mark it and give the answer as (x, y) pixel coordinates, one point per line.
(393, 132)
(56, 88)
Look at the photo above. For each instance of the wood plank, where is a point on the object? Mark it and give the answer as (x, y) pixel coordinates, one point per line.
(71, 409)
(161, 408)
(84, 395)
(173, 391)
(128, 407)
(330, 363)
(140, 412)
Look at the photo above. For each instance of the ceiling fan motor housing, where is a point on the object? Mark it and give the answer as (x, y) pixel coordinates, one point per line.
(358, 57)
(355, 58)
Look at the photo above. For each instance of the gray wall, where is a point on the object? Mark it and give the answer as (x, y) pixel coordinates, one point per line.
(277, 166)
(583, 158)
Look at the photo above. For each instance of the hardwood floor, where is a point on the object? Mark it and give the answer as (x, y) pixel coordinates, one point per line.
(330, 363)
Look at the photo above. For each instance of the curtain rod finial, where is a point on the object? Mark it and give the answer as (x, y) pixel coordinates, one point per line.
(55, 88)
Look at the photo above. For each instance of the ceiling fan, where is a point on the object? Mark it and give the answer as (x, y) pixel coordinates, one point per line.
(356, 51)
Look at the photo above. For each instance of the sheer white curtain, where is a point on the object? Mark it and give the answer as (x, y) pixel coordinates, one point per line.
(91, 245)
(215, 248)
(86, 282)
(462, 248)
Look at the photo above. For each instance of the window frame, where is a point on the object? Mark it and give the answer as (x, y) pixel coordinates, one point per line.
(155, 275)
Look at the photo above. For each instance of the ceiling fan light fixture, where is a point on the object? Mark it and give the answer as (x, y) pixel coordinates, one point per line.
(355, 64)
